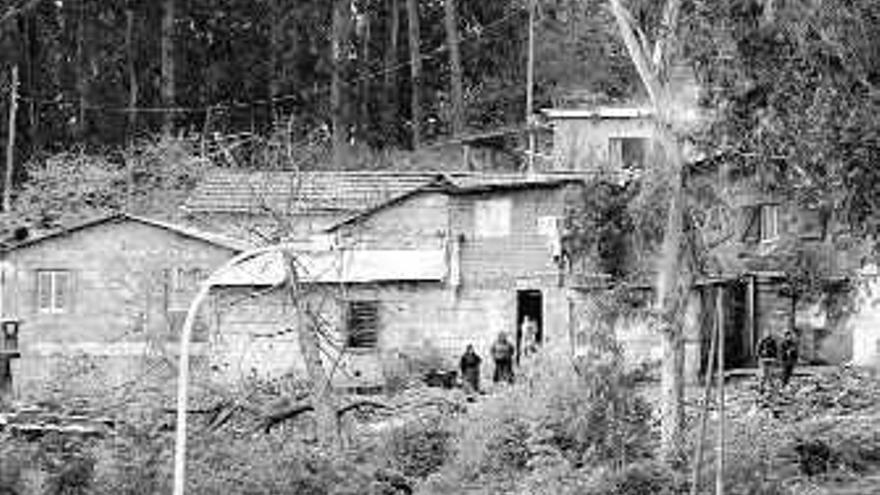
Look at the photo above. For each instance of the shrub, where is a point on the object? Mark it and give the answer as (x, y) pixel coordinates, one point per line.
(508, 448)
(68, 463)
(15, 455)
(641, 478)
(420, 447)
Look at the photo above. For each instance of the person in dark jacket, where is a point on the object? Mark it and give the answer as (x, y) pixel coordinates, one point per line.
(502, 354)
(470, 370)
(788, 354)
(767, 356)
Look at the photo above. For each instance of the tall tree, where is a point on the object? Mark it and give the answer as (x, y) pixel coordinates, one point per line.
(390, 101)
(168, 84)
(275, 40)
(415, 55)
(455, 73)
(339, 38)
(672, 286)
(131, 66)
(82, 78)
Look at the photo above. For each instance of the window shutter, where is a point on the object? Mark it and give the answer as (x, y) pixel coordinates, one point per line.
(61, 288)
(615, 151)
(363, 324)
(43, 292)
(751, 223)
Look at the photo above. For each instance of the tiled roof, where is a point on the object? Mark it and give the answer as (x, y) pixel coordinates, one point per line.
(339, 191)
(282, 191)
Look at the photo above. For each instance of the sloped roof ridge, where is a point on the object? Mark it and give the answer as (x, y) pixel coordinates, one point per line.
(185, 230)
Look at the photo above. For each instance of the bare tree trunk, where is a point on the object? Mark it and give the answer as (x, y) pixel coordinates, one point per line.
(390, 102)
(364, 111)
(672, 286)
(412, 9)
(341, 12)
(31, 53)
(132, 72)
(274, 62)
(81, 77)
(322, 398)
(455, 76)
(167, 48)
(10, 141)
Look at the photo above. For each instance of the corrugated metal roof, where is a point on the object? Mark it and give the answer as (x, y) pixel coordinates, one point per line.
(338, 266)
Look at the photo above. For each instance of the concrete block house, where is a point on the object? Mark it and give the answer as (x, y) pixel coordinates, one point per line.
(451, 262)
(753, 236)
(107, 288)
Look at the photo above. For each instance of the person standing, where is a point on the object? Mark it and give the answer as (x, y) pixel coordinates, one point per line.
(502, 354)
(767, 355)
(788, 353)
(470, 370)
(529, 332)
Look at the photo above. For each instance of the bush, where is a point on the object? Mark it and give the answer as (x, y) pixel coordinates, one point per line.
(420, 447)
(69, 464)
(641, 478)
(508, 448)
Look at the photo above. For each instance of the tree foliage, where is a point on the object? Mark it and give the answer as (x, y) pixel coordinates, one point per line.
(796, 96)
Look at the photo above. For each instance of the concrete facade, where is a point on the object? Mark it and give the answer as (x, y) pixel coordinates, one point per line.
(126, 283)
(502, 253)
(582, 137)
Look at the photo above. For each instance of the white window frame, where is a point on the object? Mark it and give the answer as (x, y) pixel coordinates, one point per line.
(492, 217)
(53, 276)
(769, 218)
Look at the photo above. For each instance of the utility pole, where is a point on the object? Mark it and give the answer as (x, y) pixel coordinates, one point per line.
(719, 447)
(530, 89)
(10, 141)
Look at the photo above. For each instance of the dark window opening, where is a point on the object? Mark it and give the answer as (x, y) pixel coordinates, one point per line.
(529, 304)
(628, 152)
(362, 325)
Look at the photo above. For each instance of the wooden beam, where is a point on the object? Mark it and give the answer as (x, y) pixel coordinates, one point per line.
(719, 447)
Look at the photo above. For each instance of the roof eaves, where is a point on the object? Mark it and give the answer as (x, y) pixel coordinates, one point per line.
(216, 239)
(209, 237)
(511, 186)
(64, 231)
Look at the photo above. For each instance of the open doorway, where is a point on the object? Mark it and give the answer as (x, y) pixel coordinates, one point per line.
(529, 303)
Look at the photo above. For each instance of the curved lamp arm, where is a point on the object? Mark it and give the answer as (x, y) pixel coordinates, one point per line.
(183, 371)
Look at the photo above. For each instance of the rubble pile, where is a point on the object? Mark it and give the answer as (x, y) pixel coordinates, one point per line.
(839, 391)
